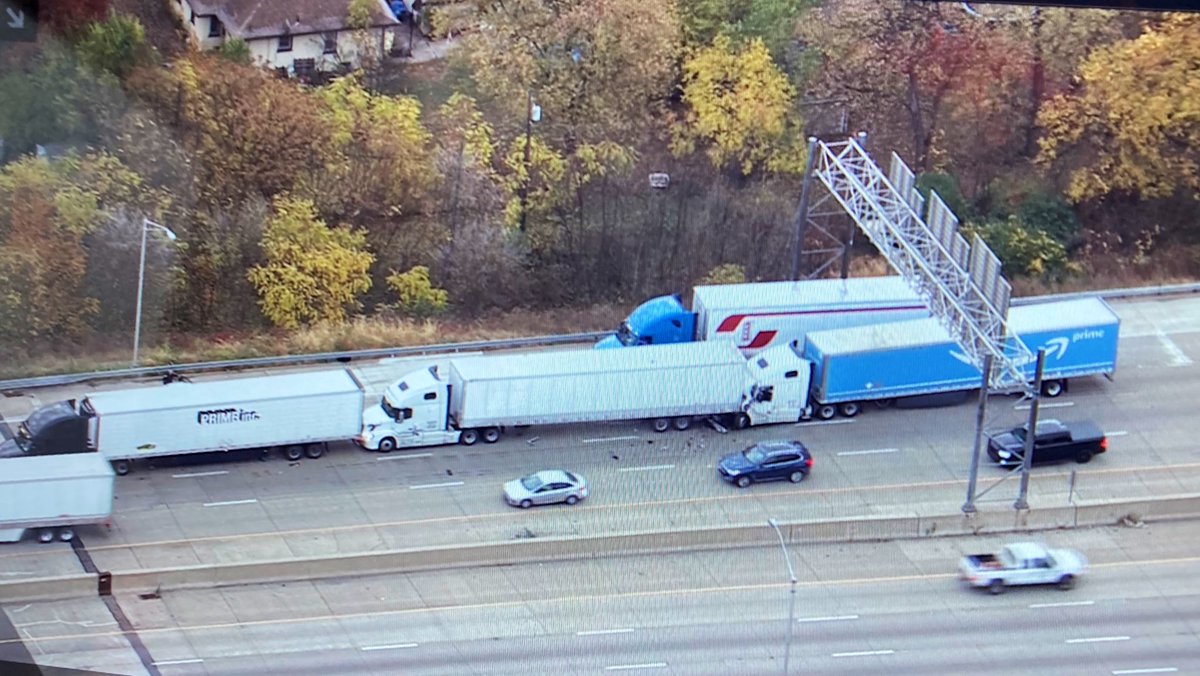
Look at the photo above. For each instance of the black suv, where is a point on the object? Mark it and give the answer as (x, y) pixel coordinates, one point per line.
(767, 461)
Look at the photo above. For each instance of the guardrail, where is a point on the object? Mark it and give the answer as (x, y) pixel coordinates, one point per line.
(451, 348)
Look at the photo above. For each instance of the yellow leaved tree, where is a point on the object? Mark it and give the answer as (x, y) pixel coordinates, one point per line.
(312, 273)
(1134, 125)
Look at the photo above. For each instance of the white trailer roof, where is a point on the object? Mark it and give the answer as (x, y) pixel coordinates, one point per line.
(68, 465)
(764, 296)
(224, 392)
(583, 361)
(1060, 314)
(1022, 319)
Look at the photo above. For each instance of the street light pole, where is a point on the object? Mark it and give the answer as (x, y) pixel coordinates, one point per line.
(787, 650)
(137, 320)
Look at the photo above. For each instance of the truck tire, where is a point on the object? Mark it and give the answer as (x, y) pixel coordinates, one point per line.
(995, 587)
(46, 535)
(739, 421)
(682, 422)
(743, 481)
(796, 477)
(468, 437)
(1067, 582)
(314, 451)
(1083, 457)
(121, 467)
(293, 452)
(661, 424)
(387, 444)
(491, 435)
(851, 409)
(826, 411)
(66, 534)
(1053, 388)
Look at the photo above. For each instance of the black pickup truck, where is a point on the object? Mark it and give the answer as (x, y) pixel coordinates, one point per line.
(1054, 442)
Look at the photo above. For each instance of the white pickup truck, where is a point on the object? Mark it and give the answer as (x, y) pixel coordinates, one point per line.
(1022, 563)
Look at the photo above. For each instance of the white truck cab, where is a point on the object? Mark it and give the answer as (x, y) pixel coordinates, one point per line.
(412, 412)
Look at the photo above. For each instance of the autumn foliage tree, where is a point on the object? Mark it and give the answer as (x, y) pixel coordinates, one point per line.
(312, 273)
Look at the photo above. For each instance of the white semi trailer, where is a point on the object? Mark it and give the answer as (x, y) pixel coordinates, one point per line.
(297, 413)
(53, 494)
(668, 385)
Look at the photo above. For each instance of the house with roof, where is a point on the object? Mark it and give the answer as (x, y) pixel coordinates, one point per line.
(296, 36)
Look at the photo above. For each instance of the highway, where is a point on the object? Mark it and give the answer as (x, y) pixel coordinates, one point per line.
(181, 513)
(887, 607)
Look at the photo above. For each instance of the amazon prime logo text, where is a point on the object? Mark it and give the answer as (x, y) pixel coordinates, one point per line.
(225, 415)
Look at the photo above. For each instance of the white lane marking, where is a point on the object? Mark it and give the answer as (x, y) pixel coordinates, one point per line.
(825, 422)
(1152, 670)
(645, 468)
(231, 502)
(1062, 604)
(441, 485)
(831, 618)
(871, 452)
(218, 472)
(1178, 358)
(1118, 433)
(647, 665)
(1098, 639)
(1056, 404)
(602, 632)
(196, 660)
(405, 457)
(864, 653)
(595, 441)
(393, 646)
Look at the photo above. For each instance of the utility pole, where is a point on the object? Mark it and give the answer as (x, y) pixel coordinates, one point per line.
(528, 140)
(969, 506)
(1022, 501)
(801, 219)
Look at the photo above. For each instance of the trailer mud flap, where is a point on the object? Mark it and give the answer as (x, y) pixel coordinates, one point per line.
(105, 584)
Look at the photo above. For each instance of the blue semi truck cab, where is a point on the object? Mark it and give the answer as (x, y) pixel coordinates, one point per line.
(660, 320)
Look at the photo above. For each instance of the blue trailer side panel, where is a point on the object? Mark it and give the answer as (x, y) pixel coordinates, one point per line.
(1079, 336)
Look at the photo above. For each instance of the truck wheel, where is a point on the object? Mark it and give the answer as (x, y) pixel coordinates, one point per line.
(743, 481)
(66, 534)
(662, 424)
(121, 467)
(1052, 388)
(468, 437)
(46, 535)
(293, 453)
(491, 434)
(739, 421)
(796, 477)
(996, 587)
(1067, 582)
(851, 409)
(826, 411)
(1083, 457)
(387, 444)
(884, 403)
(314, 451)
(682, 422)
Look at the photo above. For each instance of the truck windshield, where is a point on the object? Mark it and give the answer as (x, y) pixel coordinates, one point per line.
(1006, 559)
(626, 335)
(391, 411)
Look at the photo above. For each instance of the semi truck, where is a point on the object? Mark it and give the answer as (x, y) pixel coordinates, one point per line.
(890, 362)
(297, 413)
(667, 385)
(756, 316)
(54, 494)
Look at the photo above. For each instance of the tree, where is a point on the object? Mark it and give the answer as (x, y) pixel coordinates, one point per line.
(312, 274)
(726, 273)
(741, 107)
(116, 45)
(1134, 126)
(771, 21)
(416, 294)
(70, 18)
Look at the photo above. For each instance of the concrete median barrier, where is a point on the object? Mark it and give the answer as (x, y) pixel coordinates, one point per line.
(918, 524)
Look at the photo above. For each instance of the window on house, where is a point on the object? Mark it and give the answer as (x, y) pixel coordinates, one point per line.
(285, 43)
(330, 40)
(215, 28)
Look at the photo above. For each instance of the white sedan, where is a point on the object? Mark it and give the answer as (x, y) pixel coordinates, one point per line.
(544, 488)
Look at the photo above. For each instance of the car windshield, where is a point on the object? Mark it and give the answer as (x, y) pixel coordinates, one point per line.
(754, 455)
(531, 482)
(1019, 433)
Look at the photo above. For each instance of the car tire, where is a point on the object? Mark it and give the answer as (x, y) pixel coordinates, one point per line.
(995, 587)
(526, 504)
(572, 499)
(1083, 457)
(1067, 582)
(742, 481)
(796, 477)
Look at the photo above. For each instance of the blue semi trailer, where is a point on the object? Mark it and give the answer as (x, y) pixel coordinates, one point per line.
(888, 363)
